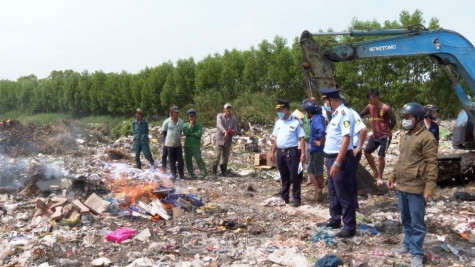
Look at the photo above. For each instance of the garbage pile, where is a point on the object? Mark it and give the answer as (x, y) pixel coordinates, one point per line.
(90, 206)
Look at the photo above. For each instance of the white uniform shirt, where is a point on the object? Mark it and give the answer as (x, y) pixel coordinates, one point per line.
(359, 125)
(341, 124)
(288, 132)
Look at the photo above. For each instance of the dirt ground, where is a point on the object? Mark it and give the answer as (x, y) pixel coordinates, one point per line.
(233, 228)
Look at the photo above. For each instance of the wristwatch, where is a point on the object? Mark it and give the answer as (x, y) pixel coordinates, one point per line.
(336, 164)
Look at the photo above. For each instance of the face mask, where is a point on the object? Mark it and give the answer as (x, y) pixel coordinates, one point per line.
(327, 108)
(407, 124)
(280, 114)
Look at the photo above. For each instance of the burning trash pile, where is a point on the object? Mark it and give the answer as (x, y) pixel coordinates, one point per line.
(56, 216)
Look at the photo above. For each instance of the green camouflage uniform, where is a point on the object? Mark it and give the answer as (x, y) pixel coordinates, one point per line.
(141, 141)
(192, 148)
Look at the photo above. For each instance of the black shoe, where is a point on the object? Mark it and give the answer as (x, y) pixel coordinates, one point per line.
(329, 224)
(296, 204)
(286, 201)
(344, 233)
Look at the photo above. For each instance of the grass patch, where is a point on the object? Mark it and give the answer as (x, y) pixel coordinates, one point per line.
(42, 118)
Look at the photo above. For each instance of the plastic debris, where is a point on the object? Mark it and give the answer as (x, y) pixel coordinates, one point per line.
(449, 248)
(360, 217)
(325, 235)
(368, 229)
(120, 234)
(329, 261)
(288, 257)
(195, 200)
(102, 261)
(273, 201)
(432, 258)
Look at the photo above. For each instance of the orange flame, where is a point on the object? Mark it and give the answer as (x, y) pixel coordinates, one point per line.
(133, 193)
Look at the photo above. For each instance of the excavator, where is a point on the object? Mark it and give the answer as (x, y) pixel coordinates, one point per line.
(449, 48)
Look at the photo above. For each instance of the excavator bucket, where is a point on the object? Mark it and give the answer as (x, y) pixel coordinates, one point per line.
(318, 70)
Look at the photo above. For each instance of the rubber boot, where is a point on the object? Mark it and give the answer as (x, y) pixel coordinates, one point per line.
(223, 169)
(138, 165)
(215, 171)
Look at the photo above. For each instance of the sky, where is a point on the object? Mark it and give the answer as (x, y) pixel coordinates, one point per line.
(37, 37)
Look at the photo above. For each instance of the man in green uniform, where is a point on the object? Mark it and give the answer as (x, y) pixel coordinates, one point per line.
(141, 141)
(193, 131)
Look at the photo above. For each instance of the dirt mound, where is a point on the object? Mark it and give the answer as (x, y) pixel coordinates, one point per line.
(17, 139)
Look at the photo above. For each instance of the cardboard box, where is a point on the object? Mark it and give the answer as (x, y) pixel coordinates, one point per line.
(262, 160)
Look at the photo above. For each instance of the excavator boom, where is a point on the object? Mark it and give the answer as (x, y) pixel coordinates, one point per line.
(448, 47)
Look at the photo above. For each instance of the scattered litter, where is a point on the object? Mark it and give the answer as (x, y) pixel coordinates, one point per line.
(329, 261)
(273, 201)
(367, 229)
(120, 234)
(326, 235)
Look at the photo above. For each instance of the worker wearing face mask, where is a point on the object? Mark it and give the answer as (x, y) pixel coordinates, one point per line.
(289, 143)
(341, 165)
(414, 177)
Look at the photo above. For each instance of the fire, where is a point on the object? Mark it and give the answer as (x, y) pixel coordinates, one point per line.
(155, 218)
(132, 193)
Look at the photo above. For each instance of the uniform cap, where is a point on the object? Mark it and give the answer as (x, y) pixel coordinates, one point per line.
(139, 110)
(227, 105)
(329, 93)
(305, 101)
(191, 112)
(280, 103)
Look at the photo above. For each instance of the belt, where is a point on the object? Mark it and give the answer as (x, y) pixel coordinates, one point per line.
(285, 150)
(329, 156)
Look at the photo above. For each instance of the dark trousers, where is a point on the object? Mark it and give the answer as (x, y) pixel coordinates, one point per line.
(341, 189)
(288, 164)
(175, 155)
(145, 149)
(164, 157)
(357, 159)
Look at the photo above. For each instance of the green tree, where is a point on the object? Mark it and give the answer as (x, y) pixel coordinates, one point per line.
(96, 98)
(25, 86)
(184, 80)
(153, 87)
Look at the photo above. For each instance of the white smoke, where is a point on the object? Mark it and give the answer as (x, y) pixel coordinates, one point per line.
(52, 171)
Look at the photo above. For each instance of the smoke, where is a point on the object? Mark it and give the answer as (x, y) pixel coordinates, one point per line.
(13, 172)
(16, 172)
(52, 171)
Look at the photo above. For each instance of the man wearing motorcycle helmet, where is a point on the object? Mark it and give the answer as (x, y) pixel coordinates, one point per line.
(430, 118)
(317, 141)
(415, 174)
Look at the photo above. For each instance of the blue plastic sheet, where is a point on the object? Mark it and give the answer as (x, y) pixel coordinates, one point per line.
(324, 235)
(368, 229)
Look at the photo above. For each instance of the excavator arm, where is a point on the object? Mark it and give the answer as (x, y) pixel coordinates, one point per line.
(448, 47)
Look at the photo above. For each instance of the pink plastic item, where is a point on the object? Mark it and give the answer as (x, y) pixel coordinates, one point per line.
(120, 234)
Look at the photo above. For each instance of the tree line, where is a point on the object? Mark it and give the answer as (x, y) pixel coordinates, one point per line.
(253, 78)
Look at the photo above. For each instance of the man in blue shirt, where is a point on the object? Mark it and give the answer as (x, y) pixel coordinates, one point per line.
(430, 118)
(289, 143)
(316, 140)
(141, 140)
(341, 164)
